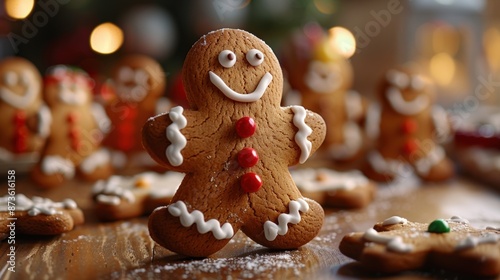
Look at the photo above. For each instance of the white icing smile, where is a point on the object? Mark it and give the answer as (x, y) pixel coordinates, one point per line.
(16, 100)
(323, 77)
(240, 97)
(132, 85)
(404, 107)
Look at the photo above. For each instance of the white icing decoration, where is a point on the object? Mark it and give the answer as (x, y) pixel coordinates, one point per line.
(45, 120)
(57, 164)
(394, 220)
(36, 205)
(97, 159)
(179, 209)
(100, 117)
(353, 141)
(323, 77)
(72, 94)
(394, 243)
(353, 105)
(271, 230)
(227, 58)
(423, 165)
(457, 219)
(399, 79)
(16, 100)
(404, 107)
(441, 124)
(384, 165)
(305, 145)
(174, 135)
(255, 57)
(239, 97)
(307, 179)
(486, 159)
(132, 85)
(372, 126)
(472, 242)
(111, 191)
(417, 83)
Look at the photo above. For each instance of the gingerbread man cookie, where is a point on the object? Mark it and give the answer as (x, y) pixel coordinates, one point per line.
(37, 216)
(406, 127)
(322, 77)
(397, 245)
(25, 119)
(121, 197)
(138, 83)
(77, 129)
(235, 146)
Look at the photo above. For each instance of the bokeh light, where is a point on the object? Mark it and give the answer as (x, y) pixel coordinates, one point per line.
(18, 9)
(106, 38)
(442, 68)
(343, 40)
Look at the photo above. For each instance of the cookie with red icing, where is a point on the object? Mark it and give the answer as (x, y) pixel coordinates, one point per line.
(235, 145)
(76, 132)
(138, 83)
(24, 118)
(37, 216)
(397, 245)
(407, 128)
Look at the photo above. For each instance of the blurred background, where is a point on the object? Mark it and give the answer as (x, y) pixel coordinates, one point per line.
(456, 42)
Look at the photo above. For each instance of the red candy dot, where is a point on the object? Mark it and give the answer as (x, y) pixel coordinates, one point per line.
(410, 146)
(409, 126)
(250, 182)
(245, 127)
(248, 157)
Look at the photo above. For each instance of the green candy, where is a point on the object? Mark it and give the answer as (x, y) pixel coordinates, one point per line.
(439, 226)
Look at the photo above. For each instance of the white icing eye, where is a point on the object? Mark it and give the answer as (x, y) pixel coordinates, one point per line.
(25, 78)
(141, 77)
(227, 58)
(255, 57)
(10, 78)
(125, 74)
(417, 83)
(399, 79)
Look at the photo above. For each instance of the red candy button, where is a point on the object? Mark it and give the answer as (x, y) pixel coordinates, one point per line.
(250, 182)
(248, 157)
(245, 127)
(72, 118)
(410, 146)
(409, 126)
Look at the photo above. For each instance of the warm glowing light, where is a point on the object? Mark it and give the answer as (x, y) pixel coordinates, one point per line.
(19, 9)
(343, 40)
(442, 68)
(106, 38)
(491, 43)
(445, 38)
(326, 7)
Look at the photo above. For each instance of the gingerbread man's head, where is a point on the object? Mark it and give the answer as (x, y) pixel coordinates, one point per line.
(406, 92)
(138, 78)
(20, 83)
(67, 86)
(242, 69)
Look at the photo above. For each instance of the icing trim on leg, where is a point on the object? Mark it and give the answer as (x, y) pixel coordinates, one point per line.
(174, 135)
(425, 164)
(383, 165)
(271, 230)
(179, 209)
(95, 160)
(57, 164)
(305, 145)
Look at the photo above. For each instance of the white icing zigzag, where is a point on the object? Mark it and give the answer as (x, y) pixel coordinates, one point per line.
(36, 205)
(174, 135)
(394, 243)
(179, 209)
(271, 230)
(304, 131)
(471, 242)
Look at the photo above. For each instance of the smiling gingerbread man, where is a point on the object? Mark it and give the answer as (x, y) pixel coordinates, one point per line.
(235, 145)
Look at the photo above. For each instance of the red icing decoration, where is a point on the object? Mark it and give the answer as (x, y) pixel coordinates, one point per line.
(74, 131)
(248, 157)
(250, 182)
(72, 118)
(20, 137)
(410, 146)
(245, 127)
(409, 126)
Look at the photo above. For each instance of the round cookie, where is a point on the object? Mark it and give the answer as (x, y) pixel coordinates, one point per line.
(406, 126)
(24, 118)
(73, 144)
(138, 83)
(235, 146)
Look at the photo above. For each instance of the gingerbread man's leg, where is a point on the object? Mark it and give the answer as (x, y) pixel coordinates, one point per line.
(52, 170)
(383, 169)
(96, 166)
(434, 166)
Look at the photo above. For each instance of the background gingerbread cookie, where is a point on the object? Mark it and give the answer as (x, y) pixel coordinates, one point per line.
(407, 127)
(24, 118)
(38, 215)
(76, 132)
(121, 197)
(396, 245)
(235, 146)
(138, 83)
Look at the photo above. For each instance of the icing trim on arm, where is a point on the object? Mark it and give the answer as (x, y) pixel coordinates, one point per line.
(44, 121)
(394, 243)
(271, 230)
(305, 145)
(57, 164)
(394, 220)
(174, 135)
(179, 209)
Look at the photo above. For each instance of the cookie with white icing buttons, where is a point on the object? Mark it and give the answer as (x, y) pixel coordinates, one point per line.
(407, 128)
(396, 245)
(76, 132)
(37, 216)
(24, 118)
(121, 197)
(138, 83)
(331, 188)
(235, 146)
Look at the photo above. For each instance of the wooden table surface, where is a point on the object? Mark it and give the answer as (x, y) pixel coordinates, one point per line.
(124, 250)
